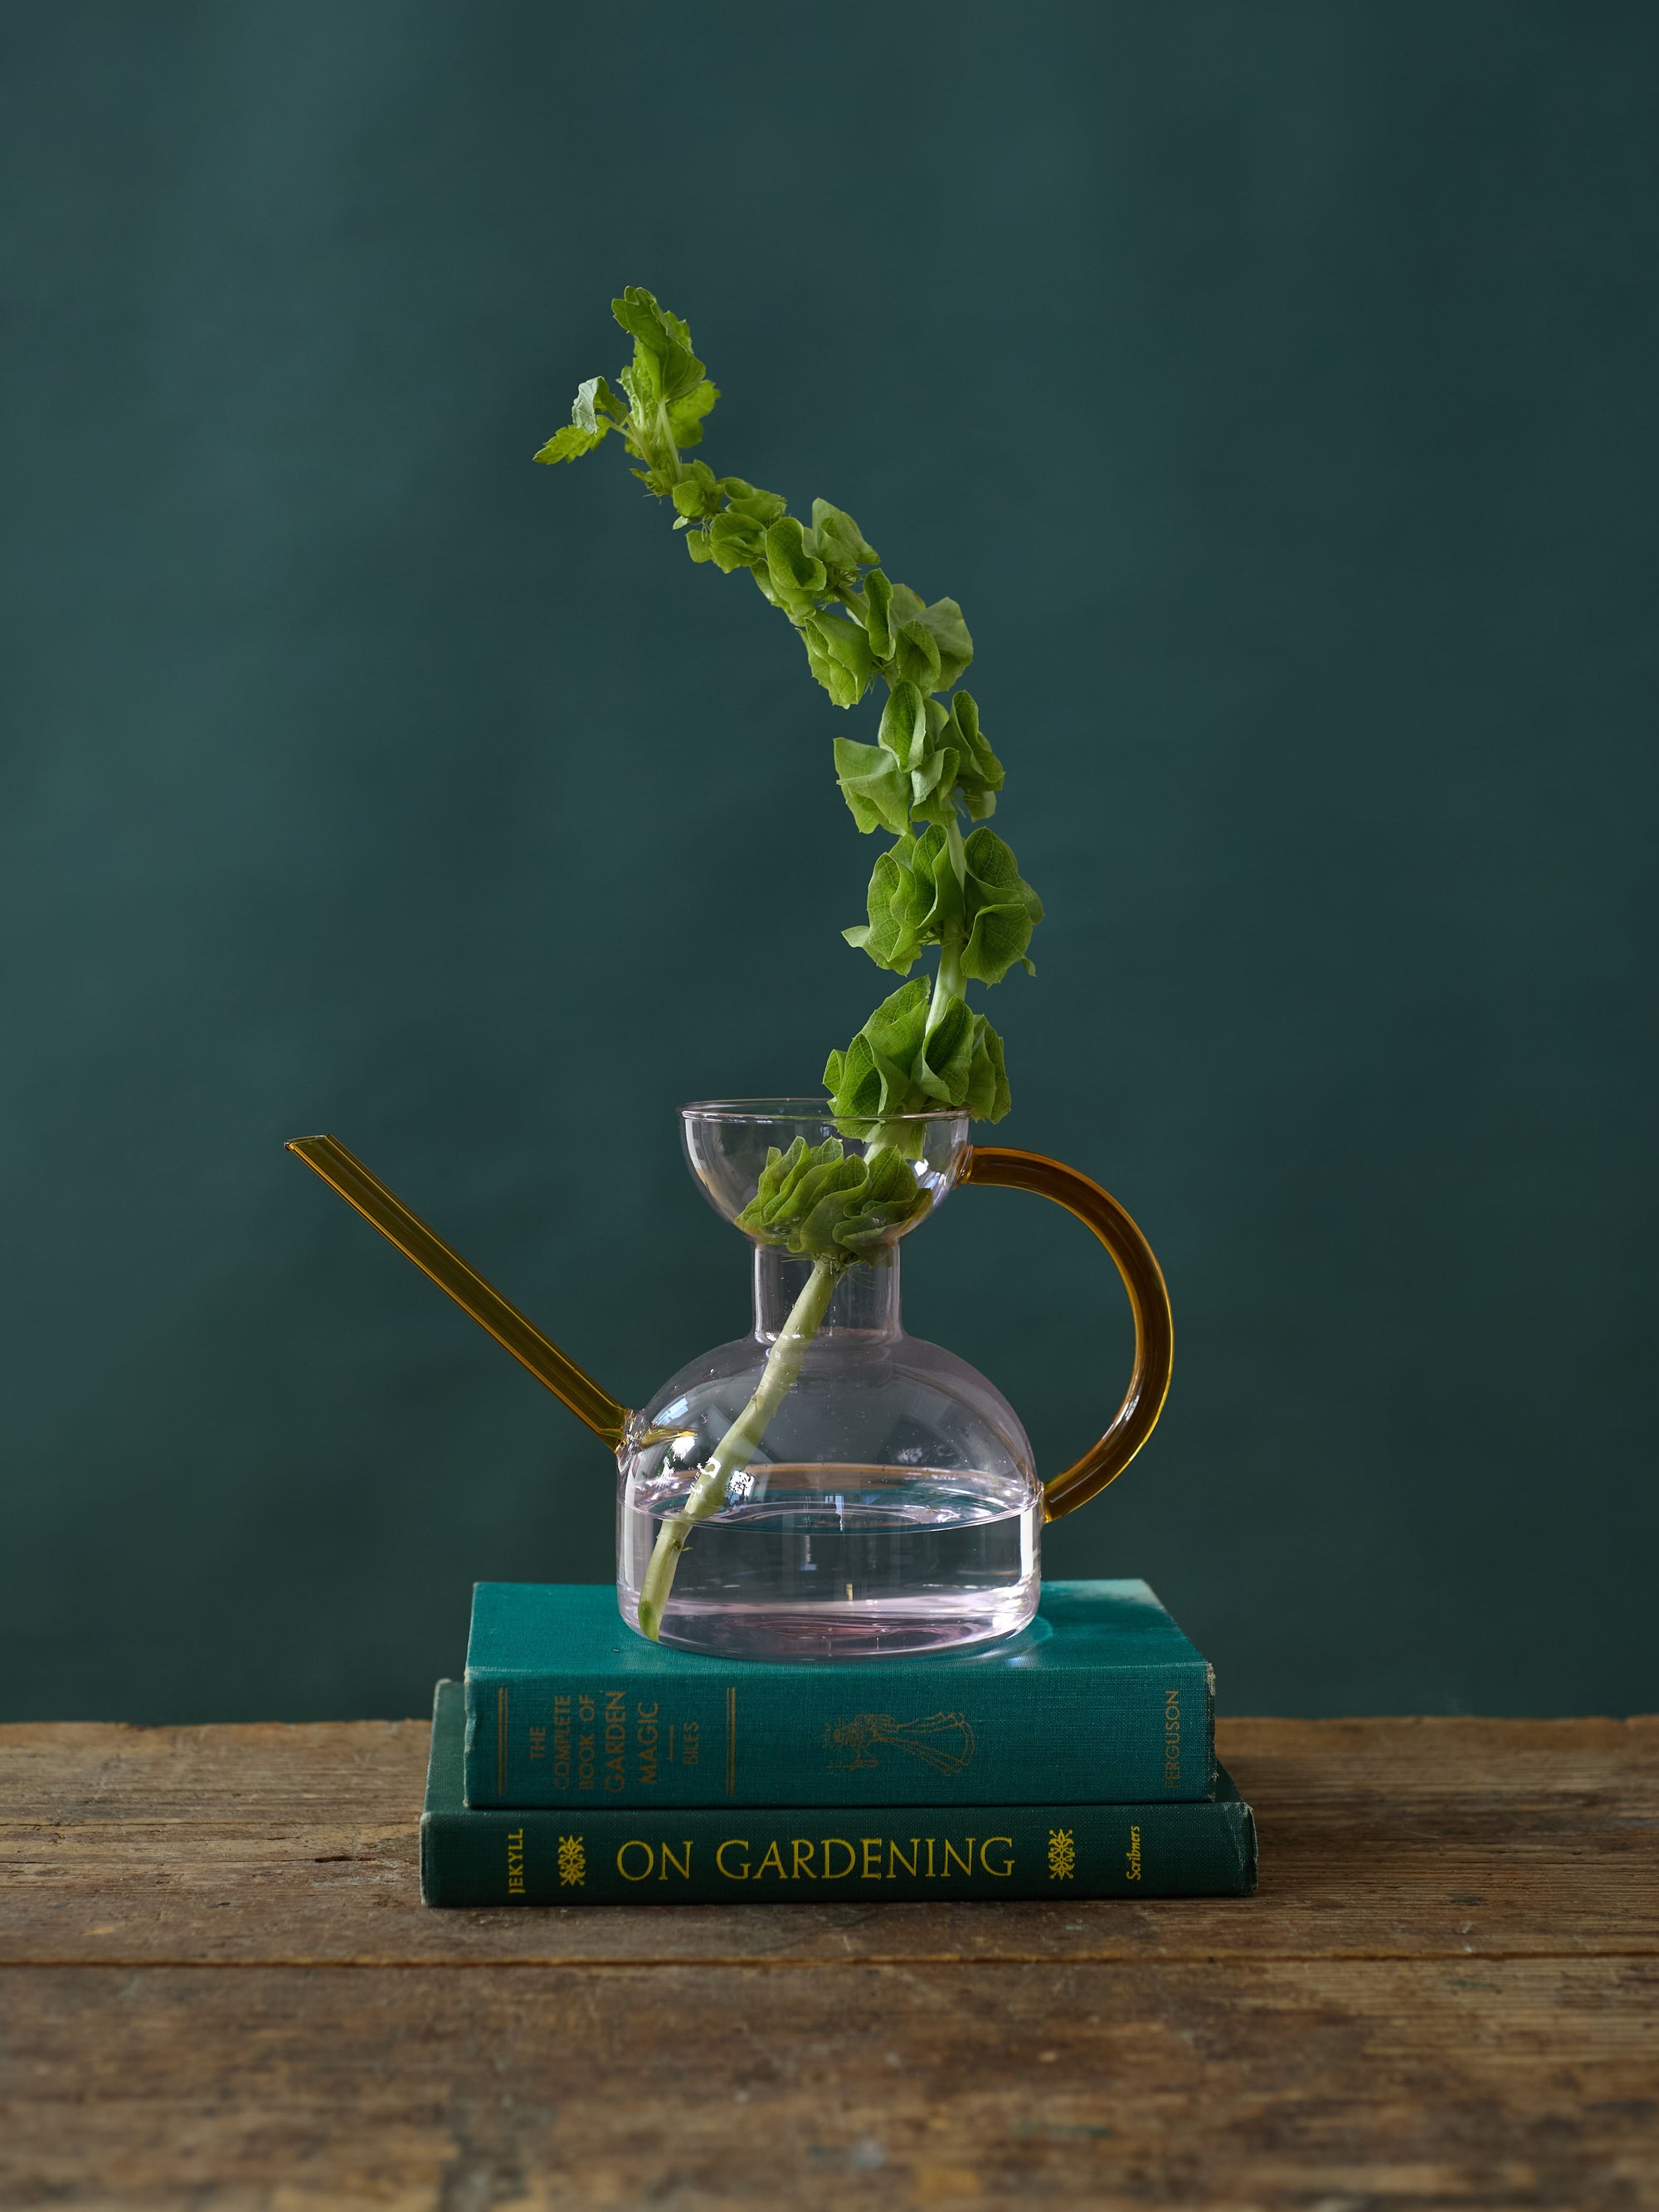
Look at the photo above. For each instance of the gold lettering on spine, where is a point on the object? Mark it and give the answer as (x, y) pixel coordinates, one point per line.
(772, 1863)
(732, 1844)
(616, 1740)
(646, 1736)
(1008, 1867)
(669, 1860)
(870, 1844)
(838, 1874)
(930, 1858)
(516, 1862)
(895, 1853)
(634, 1844)
(951, 1852)
(802, 1851)
(561, 1743)
(1132, 1856)
(1172, 1740)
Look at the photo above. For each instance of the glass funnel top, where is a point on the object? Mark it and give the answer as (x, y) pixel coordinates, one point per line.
(788, 1173)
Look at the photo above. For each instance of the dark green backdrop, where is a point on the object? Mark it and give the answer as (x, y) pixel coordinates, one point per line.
(1273, 384)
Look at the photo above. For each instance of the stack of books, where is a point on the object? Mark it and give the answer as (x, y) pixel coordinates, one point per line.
(579, 1764)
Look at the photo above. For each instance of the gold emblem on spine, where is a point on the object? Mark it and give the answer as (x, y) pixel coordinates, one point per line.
(573, 1863)
(1062, 1854)
(943, 1741)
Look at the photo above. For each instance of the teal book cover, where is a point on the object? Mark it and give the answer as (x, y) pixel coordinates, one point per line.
(1100, 1698)
(595, 1854)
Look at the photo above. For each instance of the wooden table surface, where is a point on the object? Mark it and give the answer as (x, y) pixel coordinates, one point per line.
(218, 1988)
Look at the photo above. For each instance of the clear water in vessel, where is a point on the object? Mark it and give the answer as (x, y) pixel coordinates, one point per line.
(841, 1562)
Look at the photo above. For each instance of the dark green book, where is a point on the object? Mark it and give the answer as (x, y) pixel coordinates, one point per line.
(1101, 1697)
(594, 1855)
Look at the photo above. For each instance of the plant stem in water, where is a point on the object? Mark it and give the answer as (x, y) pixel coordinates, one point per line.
(740, 1442)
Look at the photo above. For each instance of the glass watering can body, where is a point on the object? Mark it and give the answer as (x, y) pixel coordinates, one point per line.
(892, 1504)
(876, 1495)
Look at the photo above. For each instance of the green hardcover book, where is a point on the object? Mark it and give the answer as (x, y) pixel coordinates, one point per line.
(595, 1855)
(1100, 1699)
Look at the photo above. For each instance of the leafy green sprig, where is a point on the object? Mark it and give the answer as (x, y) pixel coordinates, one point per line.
(922, 1049)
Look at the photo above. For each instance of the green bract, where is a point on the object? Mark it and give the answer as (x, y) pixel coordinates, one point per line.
(824, 1202)
(942, 883)
(905, 1061)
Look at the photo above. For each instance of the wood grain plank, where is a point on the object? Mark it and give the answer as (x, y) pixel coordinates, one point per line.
(1440, 1838)
(1347, 2086)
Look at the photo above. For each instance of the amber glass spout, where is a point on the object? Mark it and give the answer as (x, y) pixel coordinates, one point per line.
(572, 1385)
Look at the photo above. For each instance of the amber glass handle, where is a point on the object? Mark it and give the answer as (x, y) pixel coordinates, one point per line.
(572, 1385)
(1149, 1302)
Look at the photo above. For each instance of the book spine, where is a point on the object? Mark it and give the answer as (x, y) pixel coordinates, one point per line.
(901, 1855)
(795, 1737)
